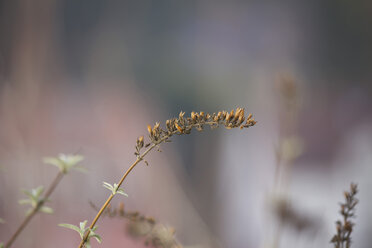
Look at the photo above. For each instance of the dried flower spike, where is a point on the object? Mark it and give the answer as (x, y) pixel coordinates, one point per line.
(342, 238)
(178, 126)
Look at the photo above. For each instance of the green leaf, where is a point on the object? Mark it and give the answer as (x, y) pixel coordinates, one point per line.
(96, 236)
(1, 245)
(82, 225)
(121, 192)
(33, 196)
(114, 189)
(65, 162)
(25, 201)
(47, 210)
(70, 160)
(2, 221)
(29, 194)
(72, 227)
(109, 187)
(82, 230)
(92, 234)
(37, 191)
(54, 161)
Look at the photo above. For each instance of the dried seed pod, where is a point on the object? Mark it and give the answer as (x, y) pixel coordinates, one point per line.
(180, 129)
(227, 117)
(156, 126)
(240, 120)
(231, 113)
(237, 113)
(167, 123)
(140, 142)
(242, 112)
(224, 113)
(181, 115)
(193, 116)
(149, 130)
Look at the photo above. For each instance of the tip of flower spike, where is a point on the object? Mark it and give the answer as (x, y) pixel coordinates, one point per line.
(149, 129)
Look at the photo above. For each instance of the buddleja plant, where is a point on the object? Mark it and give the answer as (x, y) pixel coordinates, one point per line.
(156, 136)
(36, 197)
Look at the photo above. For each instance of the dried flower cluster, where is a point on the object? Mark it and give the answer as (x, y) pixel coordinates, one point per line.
(139, 226)
(184, 125)
(344, 228)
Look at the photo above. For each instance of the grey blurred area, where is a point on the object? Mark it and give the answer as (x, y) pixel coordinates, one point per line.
(88, 76)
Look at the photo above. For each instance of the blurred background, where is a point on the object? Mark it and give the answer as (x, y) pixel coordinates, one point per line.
(88, 76)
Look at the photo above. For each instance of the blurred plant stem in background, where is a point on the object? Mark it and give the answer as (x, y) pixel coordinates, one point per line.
(287, 150)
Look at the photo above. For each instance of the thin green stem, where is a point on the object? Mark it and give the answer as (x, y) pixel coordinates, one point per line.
(34, 211)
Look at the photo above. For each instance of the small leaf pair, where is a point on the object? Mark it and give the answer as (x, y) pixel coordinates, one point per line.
(114, 189)
(82, 230)
(66, 162)
(35, 200)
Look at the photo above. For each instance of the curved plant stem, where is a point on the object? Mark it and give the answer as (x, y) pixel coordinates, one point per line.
(104, 206)
(34, 211)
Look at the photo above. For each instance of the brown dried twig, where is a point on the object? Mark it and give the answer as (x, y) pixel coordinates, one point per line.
(154, 233)
(344, 228)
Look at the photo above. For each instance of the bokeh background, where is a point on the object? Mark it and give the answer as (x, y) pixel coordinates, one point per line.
(88, 76)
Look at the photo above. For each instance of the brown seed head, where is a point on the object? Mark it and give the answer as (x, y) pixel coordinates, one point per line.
(231, 113)
(348, 226)
(227, 117)
(156, 126)
(193, 116)
(240, 119)
(237, 113)
(180, 129)
(353, 188)
(242, 112)
(149, 130)
(140, 142)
